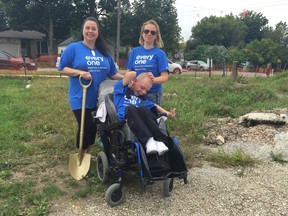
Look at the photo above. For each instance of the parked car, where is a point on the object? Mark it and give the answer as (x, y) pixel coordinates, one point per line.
(10, 62)
(182, 63)
(174, 67)
(245, 65)
(197, 65)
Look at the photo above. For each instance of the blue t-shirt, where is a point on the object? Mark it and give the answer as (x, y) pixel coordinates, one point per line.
(121, 101)
(148, 60)
(78, 56)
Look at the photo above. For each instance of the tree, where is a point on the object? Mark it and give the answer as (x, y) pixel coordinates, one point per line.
(226, 31)
(3, 19)
(39, 15)
(261, 52)
(62, 19)
(109, 20)
(164, 13)
(279, 34)
(256, 25)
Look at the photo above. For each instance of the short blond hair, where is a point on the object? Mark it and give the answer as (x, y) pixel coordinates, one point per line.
(143, 76)
(158, 42)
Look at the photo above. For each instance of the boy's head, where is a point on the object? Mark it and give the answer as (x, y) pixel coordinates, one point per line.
(141, 84)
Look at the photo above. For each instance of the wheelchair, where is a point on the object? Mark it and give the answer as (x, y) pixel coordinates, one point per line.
(122, 153)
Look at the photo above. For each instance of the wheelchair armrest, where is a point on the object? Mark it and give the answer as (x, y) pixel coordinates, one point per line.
(161, 114)
(114, 125)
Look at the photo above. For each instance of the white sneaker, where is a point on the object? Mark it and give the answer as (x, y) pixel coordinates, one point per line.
(151, 146)
(161, 148)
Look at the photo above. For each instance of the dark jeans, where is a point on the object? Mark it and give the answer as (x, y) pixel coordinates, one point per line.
(143, 123)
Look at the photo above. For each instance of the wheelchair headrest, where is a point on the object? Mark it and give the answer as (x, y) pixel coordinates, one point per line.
(105, 87)
(110, 107)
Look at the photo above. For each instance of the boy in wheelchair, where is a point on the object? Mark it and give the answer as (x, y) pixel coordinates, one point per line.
(139, 112)
(131, 126)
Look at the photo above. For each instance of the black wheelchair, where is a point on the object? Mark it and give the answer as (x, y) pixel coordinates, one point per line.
(122, 153)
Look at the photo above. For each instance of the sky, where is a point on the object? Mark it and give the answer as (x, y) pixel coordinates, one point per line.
(191, 11)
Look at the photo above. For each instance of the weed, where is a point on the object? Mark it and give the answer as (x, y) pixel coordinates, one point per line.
(279, 158)
(39, 208)
(5, 174)
(236, 158)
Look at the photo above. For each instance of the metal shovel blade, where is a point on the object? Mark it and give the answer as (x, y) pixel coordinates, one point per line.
(78, 167)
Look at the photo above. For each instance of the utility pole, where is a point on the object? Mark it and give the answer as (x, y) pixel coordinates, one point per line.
(118, 31)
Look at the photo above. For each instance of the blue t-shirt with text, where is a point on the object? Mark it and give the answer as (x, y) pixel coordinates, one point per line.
(148, 60)
(121, 101)
(78, 56)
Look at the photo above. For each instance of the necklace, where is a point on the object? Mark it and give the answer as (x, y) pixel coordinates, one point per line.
(89, 46)
(92, 50)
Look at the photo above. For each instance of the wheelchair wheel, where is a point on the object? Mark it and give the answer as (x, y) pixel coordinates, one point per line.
(167, 186)
(114, 195)
(103, 168)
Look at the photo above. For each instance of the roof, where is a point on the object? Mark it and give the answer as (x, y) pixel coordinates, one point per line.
(26, 34)
(67, 41)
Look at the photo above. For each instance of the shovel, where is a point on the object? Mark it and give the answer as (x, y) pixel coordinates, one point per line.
(79, 163)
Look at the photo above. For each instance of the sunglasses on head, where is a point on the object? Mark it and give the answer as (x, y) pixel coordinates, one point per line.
(146, 31)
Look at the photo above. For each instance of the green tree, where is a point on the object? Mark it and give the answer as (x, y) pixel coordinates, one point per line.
(256, 25)
(279, 34)
(3, 22)
(109, 20)
(261, 52)
(3, 19)
(164, 13)
(226, 31)
(199, 53)
(41, 15)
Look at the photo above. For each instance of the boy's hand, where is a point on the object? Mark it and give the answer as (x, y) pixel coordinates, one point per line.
(172, 113)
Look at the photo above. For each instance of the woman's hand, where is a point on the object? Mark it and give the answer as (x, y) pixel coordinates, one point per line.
(86, 75)
(151, 75)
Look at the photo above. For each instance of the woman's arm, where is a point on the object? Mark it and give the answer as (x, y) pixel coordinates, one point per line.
(117, 76)
(162, 78)
(75, 72)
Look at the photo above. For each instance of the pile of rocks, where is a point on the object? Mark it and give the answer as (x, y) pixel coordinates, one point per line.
(225, 130)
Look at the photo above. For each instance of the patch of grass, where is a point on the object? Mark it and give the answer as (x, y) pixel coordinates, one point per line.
(236, 158)
(38, 130)
(39, 207)
(279, 158)
(198, 99)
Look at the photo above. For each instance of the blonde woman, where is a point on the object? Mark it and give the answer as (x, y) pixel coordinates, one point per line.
(150, 58)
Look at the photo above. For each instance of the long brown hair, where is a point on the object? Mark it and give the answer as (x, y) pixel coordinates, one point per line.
(100, 43)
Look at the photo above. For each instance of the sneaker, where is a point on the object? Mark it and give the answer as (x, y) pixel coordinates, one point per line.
(151, 147)
(161, 148)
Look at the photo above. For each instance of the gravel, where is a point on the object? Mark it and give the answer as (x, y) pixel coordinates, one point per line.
(210, 191)
(260, 190)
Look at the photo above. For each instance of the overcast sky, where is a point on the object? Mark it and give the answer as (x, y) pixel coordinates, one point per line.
(191, 11)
